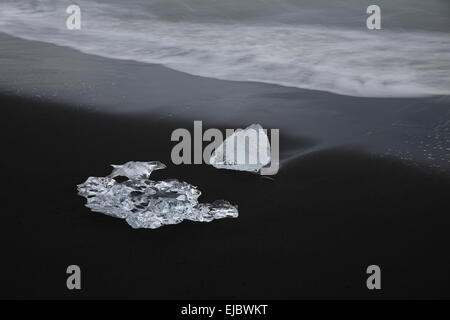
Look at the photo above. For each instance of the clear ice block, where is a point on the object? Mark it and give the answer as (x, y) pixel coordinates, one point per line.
(146, 203)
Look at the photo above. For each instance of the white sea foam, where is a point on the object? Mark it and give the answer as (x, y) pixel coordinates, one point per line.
(356, 62)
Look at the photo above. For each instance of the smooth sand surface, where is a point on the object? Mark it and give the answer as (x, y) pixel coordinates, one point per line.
(309, 233)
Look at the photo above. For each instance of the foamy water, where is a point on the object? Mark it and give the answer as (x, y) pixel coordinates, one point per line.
(348, 61)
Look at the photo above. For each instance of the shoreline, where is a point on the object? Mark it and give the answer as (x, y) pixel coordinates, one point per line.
(384, 126)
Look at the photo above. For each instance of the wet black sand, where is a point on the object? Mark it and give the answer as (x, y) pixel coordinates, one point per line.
(310, 233)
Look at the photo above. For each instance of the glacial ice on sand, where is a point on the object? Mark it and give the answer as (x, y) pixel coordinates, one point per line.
(145, 203)
(244, 150)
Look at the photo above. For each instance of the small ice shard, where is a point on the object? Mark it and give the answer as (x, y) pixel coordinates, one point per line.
(136, 169)
(145, 203)
(244, 150)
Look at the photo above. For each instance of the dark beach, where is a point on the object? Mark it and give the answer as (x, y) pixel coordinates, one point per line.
(308, 233)
(359, 92)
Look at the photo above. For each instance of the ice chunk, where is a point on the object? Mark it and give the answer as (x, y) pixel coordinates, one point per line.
(244, 150)
(145, 203)
(135, 169)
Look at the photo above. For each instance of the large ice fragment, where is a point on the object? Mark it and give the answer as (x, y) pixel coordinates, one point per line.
(145, 203)
(244, 150)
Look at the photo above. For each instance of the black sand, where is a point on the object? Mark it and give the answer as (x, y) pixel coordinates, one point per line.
(310, 233)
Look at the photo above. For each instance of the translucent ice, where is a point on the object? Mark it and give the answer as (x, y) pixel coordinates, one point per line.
(133, 169)
(244, 150)
(145, 203)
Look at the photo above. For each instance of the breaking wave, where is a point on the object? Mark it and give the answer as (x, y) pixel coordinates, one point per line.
(339, 59)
